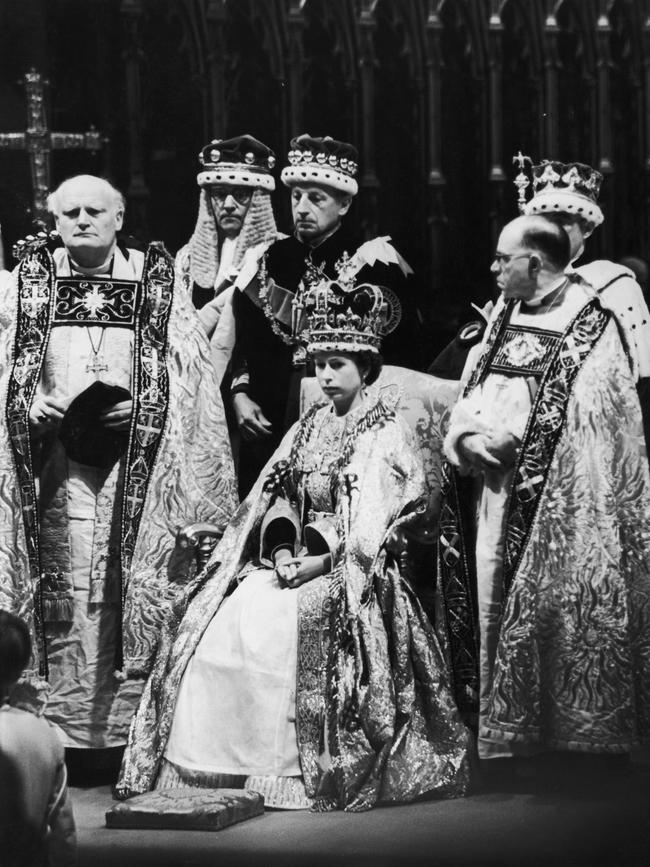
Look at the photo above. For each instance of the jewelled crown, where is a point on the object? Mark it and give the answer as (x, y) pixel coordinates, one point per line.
(345, 316)
(322, 161)
(242, 161)
(571, 188)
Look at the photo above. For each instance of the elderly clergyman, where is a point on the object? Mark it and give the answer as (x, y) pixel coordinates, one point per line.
(548, 612)
(109, 415)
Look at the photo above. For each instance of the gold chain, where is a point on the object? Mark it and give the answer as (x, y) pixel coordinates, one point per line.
(99, 345)
(288, 339)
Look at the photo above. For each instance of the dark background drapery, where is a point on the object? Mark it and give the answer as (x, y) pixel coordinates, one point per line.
(438, 95)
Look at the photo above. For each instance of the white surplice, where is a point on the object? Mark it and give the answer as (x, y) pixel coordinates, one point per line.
(88, 704)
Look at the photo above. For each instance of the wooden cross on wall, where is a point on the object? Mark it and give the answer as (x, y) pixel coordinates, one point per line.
(38, 141)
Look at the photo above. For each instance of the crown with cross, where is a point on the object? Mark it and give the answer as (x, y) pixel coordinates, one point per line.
(345, 316)
(565, 188)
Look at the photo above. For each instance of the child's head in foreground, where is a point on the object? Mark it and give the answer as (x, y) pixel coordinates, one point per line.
(15, 650)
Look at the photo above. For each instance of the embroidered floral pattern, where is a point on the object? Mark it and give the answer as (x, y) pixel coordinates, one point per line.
(35, 281)
(574, 649)
(545, 425)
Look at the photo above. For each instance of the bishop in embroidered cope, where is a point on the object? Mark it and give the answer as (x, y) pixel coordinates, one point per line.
(89, 572)
(549, 613)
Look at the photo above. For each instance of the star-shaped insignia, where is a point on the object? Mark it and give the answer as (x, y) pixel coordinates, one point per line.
(94, 300)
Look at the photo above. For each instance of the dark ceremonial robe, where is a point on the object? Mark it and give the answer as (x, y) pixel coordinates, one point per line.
(273, 380)
(450, 361)
(85, 550)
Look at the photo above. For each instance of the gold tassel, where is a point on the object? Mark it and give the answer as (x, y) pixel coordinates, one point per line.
(57, 598)
(58, 608)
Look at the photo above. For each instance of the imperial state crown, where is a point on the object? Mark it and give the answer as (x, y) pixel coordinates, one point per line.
(345, 316)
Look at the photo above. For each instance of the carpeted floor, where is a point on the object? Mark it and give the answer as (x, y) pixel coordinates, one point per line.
(585, 823)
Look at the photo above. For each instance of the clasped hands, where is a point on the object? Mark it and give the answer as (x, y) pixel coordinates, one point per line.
(47, 412)
(294, 571)
(490, 452)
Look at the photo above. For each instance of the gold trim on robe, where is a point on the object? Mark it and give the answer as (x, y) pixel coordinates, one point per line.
(375, 717)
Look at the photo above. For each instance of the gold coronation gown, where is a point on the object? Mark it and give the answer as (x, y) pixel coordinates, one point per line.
(334, 694)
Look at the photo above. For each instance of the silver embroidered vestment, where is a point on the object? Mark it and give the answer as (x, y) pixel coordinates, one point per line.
(84, 551)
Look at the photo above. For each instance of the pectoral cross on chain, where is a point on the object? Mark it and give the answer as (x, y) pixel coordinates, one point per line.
(97, 365)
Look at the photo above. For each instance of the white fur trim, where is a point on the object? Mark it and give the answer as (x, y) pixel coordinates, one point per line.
(558, 201)
(235, 175)
(317, 345)
(619, 292)
(311, 173)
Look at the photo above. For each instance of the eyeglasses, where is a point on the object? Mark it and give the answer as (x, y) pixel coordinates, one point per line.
(502, 258)
(242, 195)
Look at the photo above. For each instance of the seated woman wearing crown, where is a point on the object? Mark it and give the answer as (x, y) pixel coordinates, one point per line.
(303, 666)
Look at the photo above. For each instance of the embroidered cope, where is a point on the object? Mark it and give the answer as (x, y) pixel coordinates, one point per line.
(562, 539)
(84, 551)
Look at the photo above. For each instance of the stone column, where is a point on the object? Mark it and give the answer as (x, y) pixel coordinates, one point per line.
(550, 137)
(604, 114)
(137, 192)
(436, 183)
(496, 174)
(215, 114)
(295, 65)
(368, 182)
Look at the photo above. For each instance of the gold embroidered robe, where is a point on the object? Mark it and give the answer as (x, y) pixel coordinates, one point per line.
(372, 687)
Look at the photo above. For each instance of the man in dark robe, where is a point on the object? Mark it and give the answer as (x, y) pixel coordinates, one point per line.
(268, 358)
